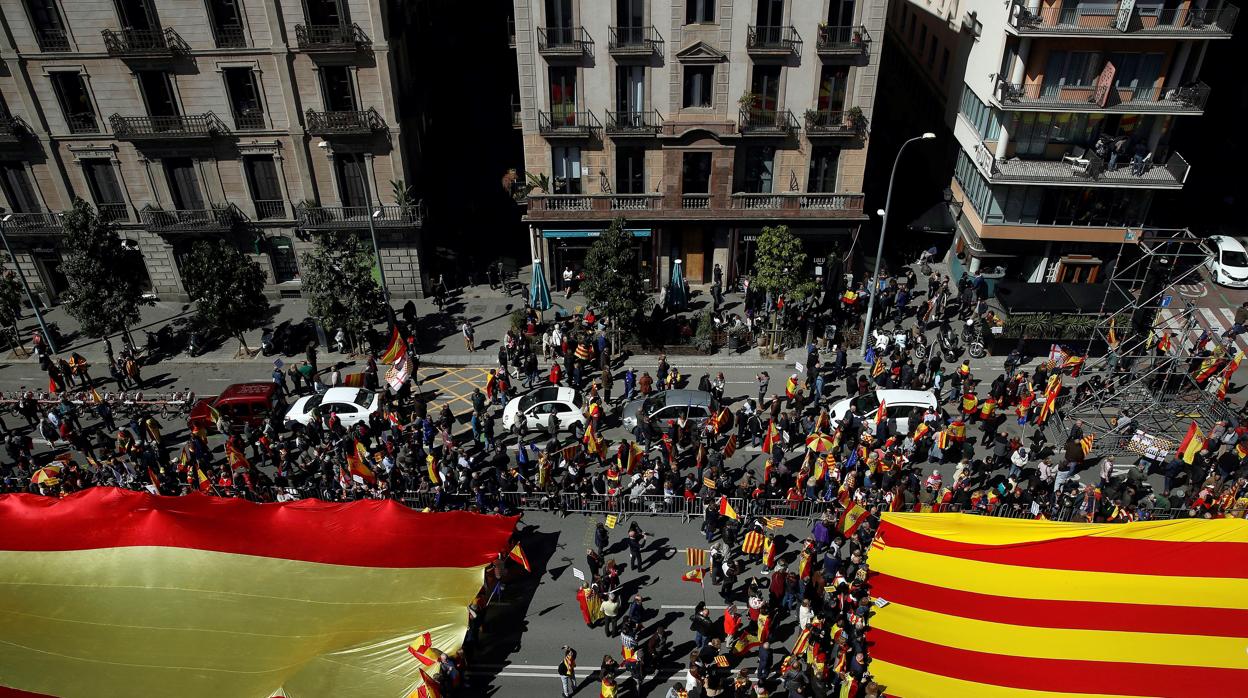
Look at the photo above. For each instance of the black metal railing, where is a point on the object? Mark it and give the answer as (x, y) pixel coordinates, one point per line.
(641, 41)
(229, 36)
(564, 41)
(634, 122)
(215, 219)
(386, 216)
(204, 125)
(1132, 99)
(13, 129)
(1099, 19)
(82, 122)
(52, 40)
(511, 32)
(762, 120)
(344, 123)
(249, 119)
(773, 39)
(831, 123)
(848, 40)
(143, 42)
(517, 115)
(330, 37)
(113, 212)
(33, 224)
(267, 209)
(569, 123)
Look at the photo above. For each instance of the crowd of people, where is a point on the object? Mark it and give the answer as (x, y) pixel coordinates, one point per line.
(847, 470)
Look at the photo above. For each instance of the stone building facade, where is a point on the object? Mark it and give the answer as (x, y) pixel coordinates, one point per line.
(263, 121)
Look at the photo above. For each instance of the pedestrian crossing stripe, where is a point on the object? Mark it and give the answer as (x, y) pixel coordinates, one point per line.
(612, 519)
(1215, 321)
(695, 557)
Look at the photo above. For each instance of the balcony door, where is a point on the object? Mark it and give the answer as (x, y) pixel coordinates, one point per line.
(106, 191)
(1136, 73)
(157, 93)
(563, 95)
(326, 12)
(559, 15)
(137, 14)
(630, 88)
(630, 170)
(765, 84)
(266, 188)
(337, 88)
(352, 190)
(823, 162)
(17, 189)
(566, 169)
(244, 94)
(695, 173)
(770, 14)
(832, 82)
(71, 92)
(630, 17)
(183, 184)
(760, 165)
(840, 13)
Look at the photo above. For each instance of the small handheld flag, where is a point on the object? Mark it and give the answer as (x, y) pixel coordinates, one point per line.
(612, 519)
(725, 509)
(517, 554)
(695, 557)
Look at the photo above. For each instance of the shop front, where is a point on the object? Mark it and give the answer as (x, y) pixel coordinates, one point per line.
(567, 249)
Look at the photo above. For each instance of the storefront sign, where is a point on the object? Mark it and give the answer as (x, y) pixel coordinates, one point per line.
(549, 234)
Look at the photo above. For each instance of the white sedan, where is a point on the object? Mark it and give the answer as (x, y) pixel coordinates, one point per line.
(352, 405)
(1229, 264)
(532, 412)
(905, 408)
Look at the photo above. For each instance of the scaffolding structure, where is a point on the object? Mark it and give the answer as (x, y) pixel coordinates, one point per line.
(1140, 383)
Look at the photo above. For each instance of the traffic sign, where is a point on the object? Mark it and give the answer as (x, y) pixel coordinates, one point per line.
(1166, 301)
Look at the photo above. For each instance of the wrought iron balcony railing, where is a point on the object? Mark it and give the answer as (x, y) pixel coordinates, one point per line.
(268, 209)
(356, 217)
(249, 119)
(1040, 96)
(331, 37)
(201, 220)
(345, 123)
(144, 42)
(187, 126)
(33, 224)
(52, 40)
(634, 41)
(849, 40)
(761, 121)
(13, 129)
(634, 123)
(832, 123)
(1193, 22)
(772, 40)
(564, 41)
(83, 122)
(1147, 172)
(113, 213)
(575, 124)
(230, 36)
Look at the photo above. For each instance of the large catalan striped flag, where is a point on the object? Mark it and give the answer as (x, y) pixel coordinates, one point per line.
(109, 592)
(993, 607)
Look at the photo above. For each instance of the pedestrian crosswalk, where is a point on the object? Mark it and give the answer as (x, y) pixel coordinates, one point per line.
(1213, 320)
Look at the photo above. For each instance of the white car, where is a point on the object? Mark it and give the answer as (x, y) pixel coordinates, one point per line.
(904, 408)
(1229, 264)
(532, 412)
(353, 405)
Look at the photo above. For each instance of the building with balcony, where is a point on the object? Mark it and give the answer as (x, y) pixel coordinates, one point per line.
(698, 121)
(259, 121)
(1064, 114)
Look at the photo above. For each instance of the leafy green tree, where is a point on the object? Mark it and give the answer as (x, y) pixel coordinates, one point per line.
(11, 304)
(105, 276)
(780, 266)
(338, 281)
(612, 283)
(227, 287)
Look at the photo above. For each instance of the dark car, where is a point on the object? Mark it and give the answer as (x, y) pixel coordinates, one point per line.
(669, 406)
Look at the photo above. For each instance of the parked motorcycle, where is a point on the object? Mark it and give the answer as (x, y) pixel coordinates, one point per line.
(949, 345)
(267, 347)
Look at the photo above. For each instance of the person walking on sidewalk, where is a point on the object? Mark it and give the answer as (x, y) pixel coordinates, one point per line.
(311, 357)
(469, 334)
(567, 671)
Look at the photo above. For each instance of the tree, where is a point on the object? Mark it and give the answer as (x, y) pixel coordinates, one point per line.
(227, 287)
(105, 275)
(11, 304)
(780, 266)
(338, 281)
(612, 283)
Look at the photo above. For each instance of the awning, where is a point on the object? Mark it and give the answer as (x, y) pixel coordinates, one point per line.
(936, 219)
(636, 232)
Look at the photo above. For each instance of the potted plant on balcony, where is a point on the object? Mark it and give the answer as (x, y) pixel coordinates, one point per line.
(856, 38)
(812, 118)
(404, 198)
(748, 100)
(538, 181)
(312, 212)
(855, 119)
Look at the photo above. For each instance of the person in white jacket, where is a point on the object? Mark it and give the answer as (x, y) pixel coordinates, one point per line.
(805, 614)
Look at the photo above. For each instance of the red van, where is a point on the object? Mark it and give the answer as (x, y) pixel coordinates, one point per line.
(241, 403)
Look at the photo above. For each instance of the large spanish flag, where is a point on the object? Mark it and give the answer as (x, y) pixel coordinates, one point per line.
(993, 607)
(109, 592)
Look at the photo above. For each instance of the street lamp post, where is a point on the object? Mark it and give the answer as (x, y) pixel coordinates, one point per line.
(372, 233)
(47, 337)
(879, 250)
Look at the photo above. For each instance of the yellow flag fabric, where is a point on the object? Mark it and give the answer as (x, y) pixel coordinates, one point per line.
(130, 594)
(991, 607)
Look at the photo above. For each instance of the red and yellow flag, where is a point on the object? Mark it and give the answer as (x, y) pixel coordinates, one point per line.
(357, 462)
(771, 438)
(1191, 444)
(394, 350)
(851, 519)
(517, 554)
(725, 509)
(984, 606)
(185, 593)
